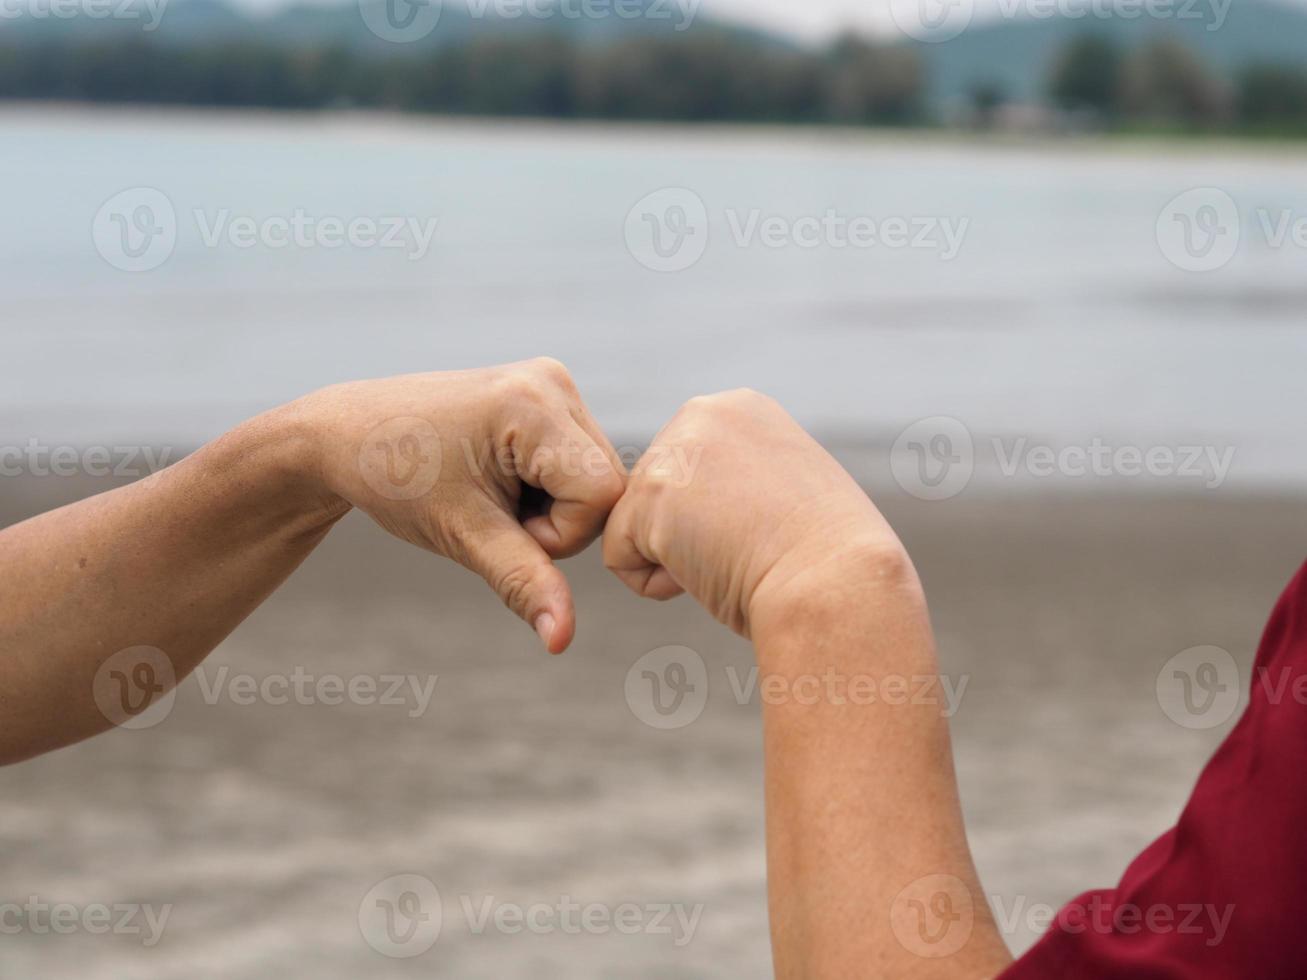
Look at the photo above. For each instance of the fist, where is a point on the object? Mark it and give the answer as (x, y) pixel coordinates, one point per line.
(501, 469)
(740, 507)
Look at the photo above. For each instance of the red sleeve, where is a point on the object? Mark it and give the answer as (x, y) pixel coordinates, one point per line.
(1220, 894)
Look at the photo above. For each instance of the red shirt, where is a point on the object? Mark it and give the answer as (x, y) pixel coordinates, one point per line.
(1224, 893)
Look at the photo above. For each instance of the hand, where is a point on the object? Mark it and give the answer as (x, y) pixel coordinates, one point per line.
(736, 504)
(502, 469)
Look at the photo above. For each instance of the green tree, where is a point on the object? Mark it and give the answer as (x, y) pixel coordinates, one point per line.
(866, 83)
(1273, 96)
(1087, 75)
(1165, 82)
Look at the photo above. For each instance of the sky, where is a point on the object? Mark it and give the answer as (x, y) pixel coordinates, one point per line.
(809, 18)
(816, 20)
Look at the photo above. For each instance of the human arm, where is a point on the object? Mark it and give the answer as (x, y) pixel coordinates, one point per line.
(175, 562)
(735, 504)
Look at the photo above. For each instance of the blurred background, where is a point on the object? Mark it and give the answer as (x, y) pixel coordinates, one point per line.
(1032, 269)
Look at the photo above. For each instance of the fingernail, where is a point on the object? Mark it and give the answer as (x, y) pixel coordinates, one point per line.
(545, 627)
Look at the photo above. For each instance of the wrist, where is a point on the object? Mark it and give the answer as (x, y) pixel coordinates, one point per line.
(859, 582)
(285, 451)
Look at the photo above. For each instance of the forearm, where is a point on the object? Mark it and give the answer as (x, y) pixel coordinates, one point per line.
(861, 795)
(175, 562)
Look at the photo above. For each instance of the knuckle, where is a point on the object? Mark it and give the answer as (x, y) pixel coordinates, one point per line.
(609, 489)
(656, 479)
(749, 399)
(698, 404)
(514, 587)
(552, 370)
(728, 406)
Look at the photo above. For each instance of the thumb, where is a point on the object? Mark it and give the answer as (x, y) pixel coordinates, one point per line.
(524, 577)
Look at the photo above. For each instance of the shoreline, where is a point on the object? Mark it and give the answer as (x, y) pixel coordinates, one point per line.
(1249, 148)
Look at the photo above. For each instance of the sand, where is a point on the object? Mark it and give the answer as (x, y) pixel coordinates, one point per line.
(529, 780)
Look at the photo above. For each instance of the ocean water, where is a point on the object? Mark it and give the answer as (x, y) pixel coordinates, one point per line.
(1054, 313)
(1059, 321)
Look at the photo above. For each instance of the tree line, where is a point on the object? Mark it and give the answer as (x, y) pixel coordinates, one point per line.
(1165, 84)
(711, 77)
(688, 79)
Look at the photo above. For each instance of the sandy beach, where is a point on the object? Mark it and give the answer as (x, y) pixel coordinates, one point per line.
(522, 780)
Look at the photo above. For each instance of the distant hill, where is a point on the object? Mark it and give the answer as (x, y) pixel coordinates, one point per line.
(1015, 56)
(1019, 55)
(205, 22)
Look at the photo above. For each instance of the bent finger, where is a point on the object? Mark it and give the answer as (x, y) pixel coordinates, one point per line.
(624, 557)
(583, 478)
(524, 577)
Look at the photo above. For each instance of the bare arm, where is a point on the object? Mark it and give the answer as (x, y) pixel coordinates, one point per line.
(869, 873)
(168, 567)
(174, 562)
(869, 869)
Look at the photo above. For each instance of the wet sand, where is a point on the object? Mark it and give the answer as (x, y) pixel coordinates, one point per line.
(530, 780)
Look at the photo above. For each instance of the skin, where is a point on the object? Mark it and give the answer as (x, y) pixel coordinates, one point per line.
(868, 863)
(505, 471)
(502, 469)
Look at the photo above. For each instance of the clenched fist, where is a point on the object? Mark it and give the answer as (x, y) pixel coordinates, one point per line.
(740, 507)
(501, 469)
